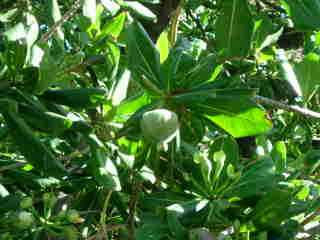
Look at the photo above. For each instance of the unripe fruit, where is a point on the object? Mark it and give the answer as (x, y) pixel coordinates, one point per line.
(159, 125)
(26, 203)
(24, 219)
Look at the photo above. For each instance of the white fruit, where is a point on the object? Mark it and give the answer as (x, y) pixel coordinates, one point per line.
(159, 125)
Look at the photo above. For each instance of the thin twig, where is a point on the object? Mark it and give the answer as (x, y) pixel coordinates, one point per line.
(311, 217)
(175, 23)
(69, 14)
(104, 214)
(290, 108)
(197, 22)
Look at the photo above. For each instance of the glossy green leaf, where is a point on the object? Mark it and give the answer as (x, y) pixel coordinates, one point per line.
(76, 98)
(256, 180)
(272, 209)
(139, 10)
(119, 92)
(279, 156)
(163, 46)
(304, 13)
(206, 71)
(17, 32)
(29, 145)
(219, 158)
(48, 70)
(175, 227)
(144, 59)
(151, 232)
(113, 27)
(234, 28)
(101, 166)
(43, 120)
(131, 105)
(230, 109)
(89, 9)
(287, 72)
(56, 16)
(229, 146)
(112, 6)
(266, 33)
(191, 213)
(308, 72)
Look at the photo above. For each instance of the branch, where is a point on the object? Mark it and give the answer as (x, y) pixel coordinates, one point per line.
(175, 23)
(69, 14)
(197, 22)
(290, 108)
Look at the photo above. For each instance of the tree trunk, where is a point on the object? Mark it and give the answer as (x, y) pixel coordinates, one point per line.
(163, 11)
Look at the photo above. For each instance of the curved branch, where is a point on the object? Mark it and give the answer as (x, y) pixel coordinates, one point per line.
(290, 108)
(69, 14)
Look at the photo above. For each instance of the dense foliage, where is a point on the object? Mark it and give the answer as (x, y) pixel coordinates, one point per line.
(160, 120)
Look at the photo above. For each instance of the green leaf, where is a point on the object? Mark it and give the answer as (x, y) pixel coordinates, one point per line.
(151, 232)
(144, 59)
(311, 160)
(219, 158)
(163, 46)
(119, 93)
(139, 10)
(304, 13)
(191, 213)
(17, 32)
(267, 33)
(111, 6)
(272, 209)
(131, 105)
(48, 69)
(230, 109)
(258, 179)
(89, 9)
(234, 28)
(287, 72)
(76, 98)
(229, 146)
(56, 16)
(279, 156)
(308, 72)
(101, 166)
(162, 199)
(35, 57)
(113, 27)
(43, 120)
(3, 192)
(175, 227)
(206, 71)
(29, 145)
